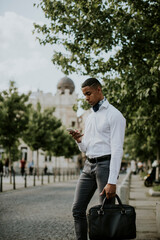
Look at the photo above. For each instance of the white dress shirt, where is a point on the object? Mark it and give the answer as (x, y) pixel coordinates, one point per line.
(104, 134)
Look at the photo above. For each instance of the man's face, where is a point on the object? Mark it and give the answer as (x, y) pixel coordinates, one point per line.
(92, 95)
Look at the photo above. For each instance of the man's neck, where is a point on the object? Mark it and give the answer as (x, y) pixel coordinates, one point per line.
(100, 100)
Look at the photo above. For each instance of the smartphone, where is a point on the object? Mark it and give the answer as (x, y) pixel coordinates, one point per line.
(70, 130)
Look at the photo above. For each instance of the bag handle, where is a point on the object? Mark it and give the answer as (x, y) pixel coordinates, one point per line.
(116, 196)
(101, 211)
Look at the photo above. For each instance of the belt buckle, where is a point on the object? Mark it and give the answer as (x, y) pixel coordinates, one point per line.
(92, 160)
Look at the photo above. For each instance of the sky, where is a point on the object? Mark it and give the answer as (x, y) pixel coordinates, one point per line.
(22, 58)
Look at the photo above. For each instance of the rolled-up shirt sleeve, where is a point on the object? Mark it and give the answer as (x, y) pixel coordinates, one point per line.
(117, 133)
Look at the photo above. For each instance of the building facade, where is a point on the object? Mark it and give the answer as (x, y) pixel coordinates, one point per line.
(63, 101)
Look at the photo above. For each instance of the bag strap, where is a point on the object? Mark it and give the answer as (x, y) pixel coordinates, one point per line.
(119, 201)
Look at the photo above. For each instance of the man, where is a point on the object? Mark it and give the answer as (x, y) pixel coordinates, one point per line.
(102, 143)
(22, 165)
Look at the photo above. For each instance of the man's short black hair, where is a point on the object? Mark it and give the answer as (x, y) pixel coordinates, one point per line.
(91, 82)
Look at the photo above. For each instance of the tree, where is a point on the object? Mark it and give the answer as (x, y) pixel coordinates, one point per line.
(40, 130)
(136, 147)
(63, 144)
(117, 41)
(14, 115)
(71, 147)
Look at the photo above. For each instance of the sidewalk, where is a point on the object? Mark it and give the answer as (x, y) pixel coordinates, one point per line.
(145, 206)
(30, 181)
(20, 182)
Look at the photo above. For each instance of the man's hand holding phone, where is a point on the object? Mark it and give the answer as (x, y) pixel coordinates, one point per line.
(75, 134)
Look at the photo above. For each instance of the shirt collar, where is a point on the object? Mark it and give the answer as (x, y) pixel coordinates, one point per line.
(104, 103)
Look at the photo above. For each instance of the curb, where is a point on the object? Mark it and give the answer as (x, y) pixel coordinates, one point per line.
(156, 194)
(153, 193)
(124, 188)
(158, 218)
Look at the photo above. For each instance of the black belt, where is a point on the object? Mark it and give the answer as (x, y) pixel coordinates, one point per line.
(99, 159)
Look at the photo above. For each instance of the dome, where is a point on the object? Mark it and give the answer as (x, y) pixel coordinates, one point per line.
(66, 83)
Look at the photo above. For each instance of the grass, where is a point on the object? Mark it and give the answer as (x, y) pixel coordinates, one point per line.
(143, 174)
(156, 188)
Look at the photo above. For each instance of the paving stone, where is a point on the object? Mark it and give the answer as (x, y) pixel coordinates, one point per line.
(44, 212)
(39, 213)
(145, 207)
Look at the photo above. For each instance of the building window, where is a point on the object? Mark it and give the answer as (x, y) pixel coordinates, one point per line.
(24, 153)
(48, 158)
(1, 153)
(73, 124)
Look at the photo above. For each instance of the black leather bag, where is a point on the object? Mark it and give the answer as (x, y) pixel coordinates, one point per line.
(112, 221)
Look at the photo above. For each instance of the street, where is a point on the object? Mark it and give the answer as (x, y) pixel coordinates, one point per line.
(39, 213)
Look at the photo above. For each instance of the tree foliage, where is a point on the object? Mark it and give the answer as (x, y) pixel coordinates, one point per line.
(117, 41)
(14, 115)
(135, 147)
(63, 145)
(40, 130)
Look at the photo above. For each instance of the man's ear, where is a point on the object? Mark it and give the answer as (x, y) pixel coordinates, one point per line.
(99, 89)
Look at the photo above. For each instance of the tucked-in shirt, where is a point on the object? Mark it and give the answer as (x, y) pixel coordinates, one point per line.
(104, 134)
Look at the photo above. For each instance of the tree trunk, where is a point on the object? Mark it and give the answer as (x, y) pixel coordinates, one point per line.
(10, 166)
(68, 163)
(158, 160)
(56, 163)
(38, 164)
(158, 153)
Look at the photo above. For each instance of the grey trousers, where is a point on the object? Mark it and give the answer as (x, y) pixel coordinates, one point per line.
(92, 177)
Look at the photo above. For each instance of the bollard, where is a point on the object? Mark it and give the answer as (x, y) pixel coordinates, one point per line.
(55, 175)
(48, 178)
(64, 175)
(14, 180)
(59, 176)
(69, 174)
(1, 182)
(42, 179)
(34, 180)
(25, 180)
(158, 218)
